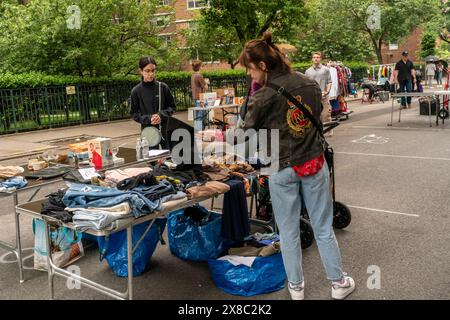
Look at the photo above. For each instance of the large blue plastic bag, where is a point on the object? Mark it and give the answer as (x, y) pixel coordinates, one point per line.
(190, 240)
(266, 275)
(115, 247)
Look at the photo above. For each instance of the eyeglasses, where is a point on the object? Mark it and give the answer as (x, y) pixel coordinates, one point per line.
(149, 70)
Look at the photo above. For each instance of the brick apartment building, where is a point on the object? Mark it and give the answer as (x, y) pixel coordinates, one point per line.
(184, 14)
(391, 53)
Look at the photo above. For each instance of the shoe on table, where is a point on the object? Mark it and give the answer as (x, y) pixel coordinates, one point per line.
(297, 291)
(341, 290)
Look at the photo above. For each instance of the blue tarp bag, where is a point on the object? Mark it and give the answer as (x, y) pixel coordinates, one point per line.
(266, 275)
(194, 240)
(114, 247)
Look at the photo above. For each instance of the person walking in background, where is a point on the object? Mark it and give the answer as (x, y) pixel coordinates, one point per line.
(439, 72)
(405, 76)
(322, 76)
(430, 71)
(198, 85)
(303, 172)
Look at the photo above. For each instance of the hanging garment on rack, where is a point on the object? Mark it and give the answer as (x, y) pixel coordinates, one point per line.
(334, 91)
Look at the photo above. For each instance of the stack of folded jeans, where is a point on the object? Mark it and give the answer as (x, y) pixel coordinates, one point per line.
(84, 196)
(107, 218)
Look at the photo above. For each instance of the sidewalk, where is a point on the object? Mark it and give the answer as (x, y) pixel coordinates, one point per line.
(28, 143)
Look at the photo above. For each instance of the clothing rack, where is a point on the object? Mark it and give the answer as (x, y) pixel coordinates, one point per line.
(378, 66)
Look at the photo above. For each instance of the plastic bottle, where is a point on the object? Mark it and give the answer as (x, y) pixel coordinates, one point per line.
(139, 155)
(145, 148)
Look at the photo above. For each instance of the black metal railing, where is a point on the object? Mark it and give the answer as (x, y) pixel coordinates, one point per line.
(27, 109)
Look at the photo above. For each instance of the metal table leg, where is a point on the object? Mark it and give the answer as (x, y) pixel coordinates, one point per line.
(130, 261)
(429, 112)
(392, 113)
(50, 271)
(18, 250)
(17, 247)
(53, 270)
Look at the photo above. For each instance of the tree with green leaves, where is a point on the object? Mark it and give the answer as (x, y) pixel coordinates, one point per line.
(324, 33)
(444, 32)
(226, 25)
(80, 37)
(428, 44)
(383, 21)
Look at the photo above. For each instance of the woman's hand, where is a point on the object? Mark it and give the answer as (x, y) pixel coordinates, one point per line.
(156, 119)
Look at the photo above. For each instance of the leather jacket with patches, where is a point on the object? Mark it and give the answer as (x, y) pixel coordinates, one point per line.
(299, 141)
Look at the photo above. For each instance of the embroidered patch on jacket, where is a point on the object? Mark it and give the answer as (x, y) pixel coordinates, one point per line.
(296, 120)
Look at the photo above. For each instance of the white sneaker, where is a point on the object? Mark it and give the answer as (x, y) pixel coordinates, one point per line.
(297, 291)
(341, 290)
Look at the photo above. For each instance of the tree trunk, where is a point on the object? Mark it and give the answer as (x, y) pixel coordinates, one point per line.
(376, 47)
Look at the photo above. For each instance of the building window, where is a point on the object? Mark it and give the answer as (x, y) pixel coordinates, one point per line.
(164, 2)
(166, 39)
(393, 46)
(197, 4)
(161, 21)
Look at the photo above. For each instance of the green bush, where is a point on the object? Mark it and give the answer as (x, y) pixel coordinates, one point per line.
(35, 79)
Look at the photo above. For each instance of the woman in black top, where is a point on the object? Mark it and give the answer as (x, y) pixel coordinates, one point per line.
(152, 103)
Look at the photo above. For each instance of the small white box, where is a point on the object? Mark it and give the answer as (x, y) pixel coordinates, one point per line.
(100, 153)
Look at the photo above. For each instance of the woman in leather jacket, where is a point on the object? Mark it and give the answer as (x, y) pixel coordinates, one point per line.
(302, 170)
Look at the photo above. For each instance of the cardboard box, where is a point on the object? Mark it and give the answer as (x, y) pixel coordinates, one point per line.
(100, 153)
(78, 147)
(209, 98)
(224, 113)
(226, 95)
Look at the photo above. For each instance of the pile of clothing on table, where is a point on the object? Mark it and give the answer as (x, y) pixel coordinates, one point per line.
(11, 179)
(121, 195)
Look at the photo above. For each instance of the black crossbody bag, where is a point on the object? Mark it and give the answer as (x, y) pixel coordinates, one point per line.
(328, 151)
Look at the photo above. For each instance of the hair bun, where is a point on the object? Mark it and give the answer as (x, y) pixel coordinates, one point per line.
(267, 37)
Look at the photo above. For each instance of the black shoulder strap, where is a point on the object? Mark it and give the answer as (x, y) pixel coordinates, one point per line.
(298, 104)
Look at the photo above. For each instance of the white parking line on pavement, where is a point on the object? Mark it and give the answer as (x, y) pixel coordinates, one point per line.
(391, 156)
(385, 211)
(400, 128)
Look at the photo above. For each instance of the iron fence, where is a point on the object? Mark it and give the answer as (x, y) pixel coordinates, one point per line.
(27, 109)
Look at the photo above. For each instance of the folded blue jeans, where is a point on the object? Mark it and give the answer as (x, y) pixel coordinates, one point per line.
(83, 196)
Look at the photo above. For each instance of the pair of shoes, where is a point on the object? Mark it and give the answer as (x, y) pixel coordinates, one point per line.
(341, 290)
(403, 107)
(409, 106)
(297, 291)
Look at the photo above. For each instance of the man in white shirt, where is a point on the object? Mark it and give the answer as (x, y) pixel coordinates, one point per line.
(322, 75)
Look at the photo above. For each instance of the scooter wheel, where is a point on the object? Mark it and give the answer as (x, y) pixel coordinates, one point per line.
(341, 215)
(306, 233)
(443, 114)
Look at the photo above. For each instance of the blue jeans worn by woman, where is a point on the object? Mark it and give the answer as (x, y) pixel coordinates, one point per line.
(286, 190)
(406, 86)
